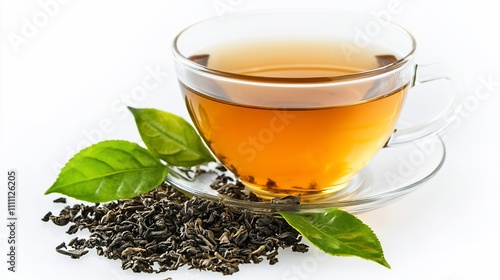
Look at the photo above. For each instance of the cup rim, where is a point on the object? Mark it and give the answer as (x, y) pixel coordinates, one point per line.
(293, 80)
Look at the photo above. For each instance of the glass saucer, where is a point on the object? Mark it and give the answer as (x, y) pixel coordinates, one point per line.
(391, 174)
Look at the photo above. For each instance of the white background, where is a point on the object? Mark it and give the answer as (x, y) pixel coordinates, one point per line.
(66, 80)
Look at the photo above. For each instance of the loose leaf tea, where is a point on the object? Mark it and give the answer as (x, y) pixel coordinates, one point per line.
(164, 230)
(171, 137)
(338, 233)
(109, 170)
(155, 229)
(74, 254)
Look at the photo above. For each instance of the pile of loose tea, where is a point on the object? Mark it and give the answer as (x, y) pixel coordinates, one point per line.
(164, 230)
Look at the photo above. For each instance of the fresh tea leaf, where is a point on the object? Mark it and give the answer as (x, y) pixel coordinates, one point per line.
(171, 137)
(338, 233)
(110, 170)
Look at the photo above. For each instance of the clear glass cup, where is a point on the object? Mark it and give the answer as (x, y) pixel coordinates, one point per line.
(298, 102)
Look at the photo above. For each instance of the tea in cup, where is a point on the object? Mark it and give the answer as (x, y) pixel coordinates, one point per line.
(298, 102)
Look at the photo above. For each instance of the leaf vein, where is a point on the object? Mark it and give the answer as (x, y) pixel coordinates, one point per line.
(113, 174)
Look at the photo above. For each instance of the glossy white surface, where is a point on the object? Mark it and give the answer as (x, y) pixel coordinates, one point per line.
(69, 68)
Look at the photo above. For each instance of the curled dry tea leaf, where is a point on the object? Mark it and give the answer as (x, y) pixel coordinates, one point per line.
(338, 233)
(110, 170)
(171, 137)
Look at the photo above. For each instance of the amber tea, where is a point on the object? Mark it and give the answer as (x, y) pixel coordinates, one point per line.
(296, 140)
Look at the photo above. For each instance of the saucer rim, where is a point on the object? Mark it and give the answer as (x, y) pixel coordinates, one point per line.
(357, 205)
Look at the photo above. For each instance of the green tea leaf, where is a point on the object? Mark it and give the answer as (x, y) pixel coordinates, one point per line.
(110, 170)
(338, 233)
(171, 137)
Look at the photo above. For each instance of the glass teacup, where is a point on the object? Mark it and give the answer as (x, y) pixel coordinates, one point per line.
(299, 102)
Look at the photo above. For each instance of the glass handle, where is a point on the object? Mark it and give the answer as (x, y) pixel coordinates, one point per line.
(425, 74)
